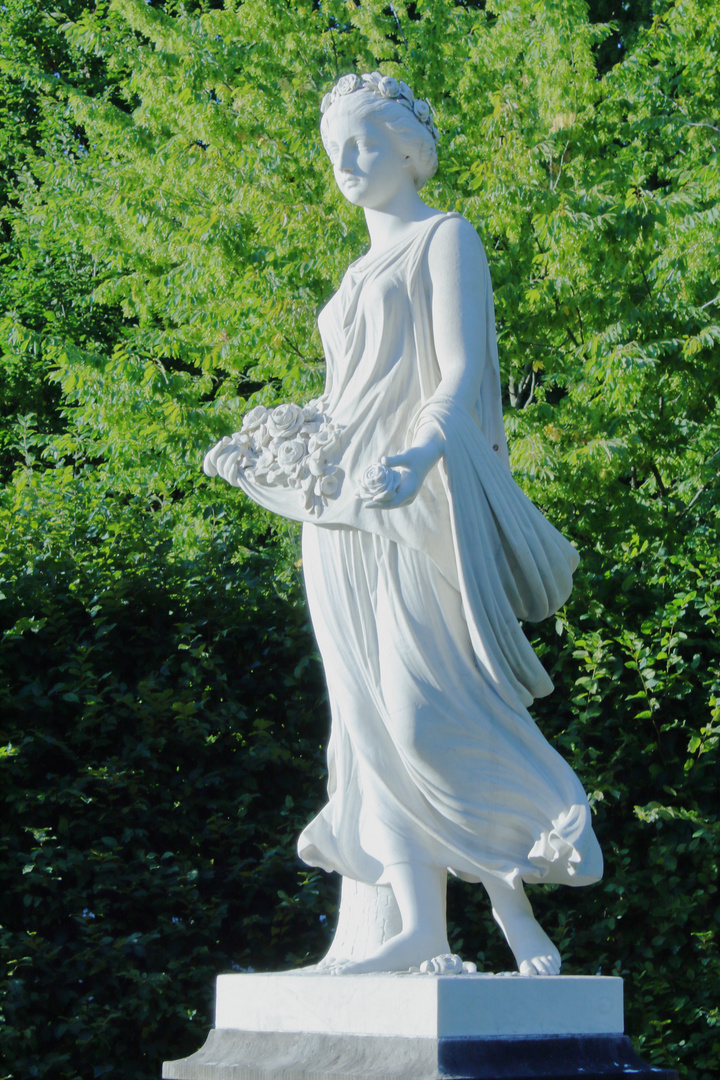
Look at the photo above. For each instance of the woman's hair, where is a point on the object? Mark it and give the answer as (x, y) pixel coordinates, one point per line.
(416, 138)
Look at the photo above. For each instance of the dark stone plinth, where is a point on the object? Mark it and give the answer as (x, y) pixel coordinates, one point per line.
(230, 1054)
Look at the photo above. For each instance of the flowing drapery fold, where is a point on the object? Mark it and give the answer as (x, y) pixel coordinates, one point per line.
(512, 563)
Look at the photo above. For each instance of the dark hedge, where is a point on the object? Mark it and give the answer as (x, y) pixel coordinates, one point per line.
(164, 731)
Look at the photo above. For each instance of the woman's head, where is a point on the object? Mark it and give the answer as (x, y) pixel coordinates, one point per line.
(387, 102)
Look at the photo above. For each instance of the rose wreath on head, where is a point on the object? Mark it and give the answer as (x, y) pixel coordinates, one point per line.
(386, 86)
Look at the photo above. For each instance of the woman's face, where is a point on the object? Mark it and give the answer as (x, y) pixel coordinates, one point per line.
(370, 169)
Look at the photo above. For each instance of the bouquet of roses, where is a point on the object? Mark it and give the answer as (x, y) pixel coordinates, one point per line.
(288, 446)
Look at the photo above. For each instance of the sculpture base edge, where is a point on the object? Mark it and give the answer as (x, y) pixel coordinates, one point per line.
(231, 1054)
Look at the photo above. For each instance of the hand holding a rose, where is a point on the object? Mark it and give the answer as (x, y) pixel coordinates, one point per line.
(397, 478)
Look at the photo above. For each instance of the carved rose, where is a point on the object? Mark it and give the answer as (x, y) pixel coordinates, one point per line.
(254, 418)
(316, 463)
(290, 453)
(285, 420)
(421, 110)
(327, 485)
(242, 438)
(348, 84)
(378, 483)
(445, 964)
(406, 92)
(389, 87)
(323, 437)
(245, 459)
(264, 463)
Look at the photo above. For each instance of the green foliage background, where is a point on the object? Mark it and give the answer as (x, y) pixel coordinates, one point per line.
(170, 230)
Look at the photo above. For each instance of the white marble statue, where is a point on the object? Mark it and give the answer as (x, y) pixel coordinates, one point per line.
(420, 556)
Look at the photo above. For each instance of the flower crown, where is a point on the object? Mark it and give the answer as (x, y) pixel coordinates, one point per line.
(384, 86)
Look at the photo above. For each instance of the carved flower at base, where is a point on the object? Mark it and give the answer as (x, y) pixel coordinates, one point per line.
(379, 482)
(445, 964)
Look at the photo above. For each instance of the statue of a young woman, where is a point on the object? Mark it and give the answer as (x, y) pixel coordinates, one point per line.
(420, 555)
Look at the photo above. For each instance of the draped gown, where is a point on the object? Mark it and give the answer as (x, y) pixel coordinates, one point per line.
(433, 756)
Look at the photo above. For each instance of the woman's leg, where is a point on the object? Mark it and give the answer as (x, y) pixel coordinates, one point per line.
(533, 950)
(420, 892)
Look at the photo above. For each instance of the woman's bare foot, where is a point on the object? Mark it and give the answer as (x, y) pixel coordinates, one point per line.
(533, 950)
(419, 892)
(408, 949)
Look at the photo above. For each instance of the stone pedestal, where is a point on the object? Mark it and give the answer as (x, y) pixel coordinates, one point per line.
(415, 1027)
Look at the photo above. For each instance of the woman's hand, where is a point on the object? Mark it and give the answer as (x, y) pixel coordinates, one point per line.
(413, 465)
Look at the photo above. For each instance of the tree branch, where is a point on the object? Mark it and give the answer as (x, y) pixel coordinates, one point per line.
(658, 479)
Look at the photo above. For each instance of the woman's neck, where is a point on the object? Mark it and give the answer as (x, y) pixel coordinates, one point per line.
(389, 225)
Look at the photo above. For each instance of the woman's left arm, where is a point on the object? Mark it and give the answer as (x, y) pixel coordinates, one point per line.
(459, 277)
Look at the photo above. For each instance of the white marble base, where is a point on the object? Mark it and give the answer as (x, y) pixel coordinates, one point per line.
(421, 1006)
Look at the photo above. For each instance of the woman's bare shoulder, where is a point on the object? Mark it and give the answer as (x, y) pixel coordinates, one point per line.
(455, 240)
